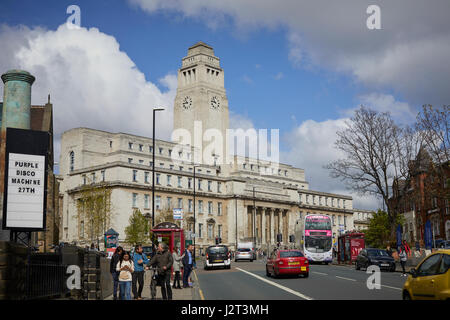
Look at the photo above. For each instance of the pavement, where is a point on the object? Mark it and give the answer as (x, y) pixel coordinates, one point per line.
(177, 294)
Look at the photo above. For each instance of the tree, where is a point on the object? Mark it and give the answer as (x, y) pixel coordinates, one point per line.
(376, 151)
(433, 125)
(378, 233)
(94, 210)
(137, 232)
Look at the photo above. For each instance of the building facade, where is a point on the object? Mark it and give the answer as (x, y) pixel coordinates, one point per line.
(242, 199)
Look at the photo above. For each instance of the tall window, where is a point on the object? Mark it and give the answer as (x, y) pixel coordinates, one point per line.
(103, 175)
(169, 203)
(81, 229)
(219, 231)
(210, 231)
(130, 145)
(219, 209)
(200, 230)
(146, 202)
(210, 207)
(190, 183)
(219, 185)
(72, 161)
(135, 196)
(140, 147)
(146, 177)
(168, 179)
(199, 184)
(93, 177)
(179, 182)
(150, 149)
(209, 185)
(158, 202)
(200, 206)
(180, 203)
(157, 178)
(134, 175)
(190, 205)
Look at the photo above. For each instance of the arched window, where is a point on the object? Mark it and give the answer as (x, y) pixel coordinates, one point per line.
(72, 161)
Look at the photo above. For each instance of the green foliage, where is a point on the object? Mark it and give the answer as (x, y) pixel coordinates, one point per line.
(137, 231)
(379, 233)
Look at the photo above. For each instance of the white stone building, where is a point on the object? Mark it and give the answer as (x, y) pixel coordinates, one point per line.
(225, 193)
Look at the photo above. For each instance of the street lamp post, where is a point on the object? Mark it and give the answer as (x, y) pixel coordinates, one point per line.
(254, 216)
(153, 167)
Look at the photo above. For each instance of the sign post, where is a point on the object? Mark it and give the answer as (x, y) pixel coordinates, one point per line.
(25, 194)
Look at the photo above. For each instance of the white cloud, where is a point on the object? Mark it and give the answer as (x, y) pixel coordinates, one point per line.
(279, 76)
(311, 146)
(409, 55)
(402, 112)
(91, 81)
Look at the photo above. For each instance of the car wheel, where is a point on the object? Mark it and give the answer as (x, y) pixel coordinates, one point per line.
(251, 260)
(267, 272)
(228, 267)
(306, 275)
(406, 295)
(357, 266)
(205, 267)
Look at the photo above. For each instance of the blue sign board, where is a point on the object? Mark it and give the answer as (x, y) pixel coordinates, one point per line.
(428, 235)
(399, 236)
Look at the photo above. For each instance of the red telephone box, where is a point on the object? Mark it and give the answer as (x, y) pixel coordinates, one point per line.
(349, 246)
(171, 234)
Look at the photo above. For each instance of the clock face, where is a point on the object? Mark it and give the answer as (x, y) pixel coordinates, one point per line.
(186, 103)
(215, 102)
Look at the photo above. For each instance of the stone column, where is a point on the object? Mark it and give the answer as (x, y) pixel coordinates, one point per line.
(272, 220)
(263, 224)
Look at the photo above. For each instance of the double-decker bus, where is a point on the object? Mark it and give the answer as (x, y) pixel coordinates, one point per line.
(317, 235)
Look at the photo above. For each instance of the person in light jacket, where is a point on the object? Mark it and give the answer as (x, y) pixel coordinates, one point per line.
(176, 268)
(115, 275)
(125, 267)
(403, 258)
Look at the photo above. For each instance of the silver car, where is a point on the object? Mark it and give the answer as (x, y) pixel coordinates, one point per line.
(244, 254)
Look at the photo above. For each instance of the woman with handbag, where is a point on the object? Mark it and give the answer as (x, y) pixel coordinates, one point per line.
(125, 267)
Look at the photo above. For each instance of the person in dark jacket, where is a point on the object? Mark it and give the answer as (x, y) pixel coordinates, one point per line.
(188, 262)
(389, 251)
(163, 261)
(112, 268)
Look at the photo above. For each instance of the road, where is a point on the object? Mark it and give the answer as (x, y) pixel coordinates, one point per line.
(248, 281)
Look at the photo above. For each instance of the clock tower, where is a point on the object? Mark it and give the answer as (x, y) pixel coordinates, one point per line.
(201, 101)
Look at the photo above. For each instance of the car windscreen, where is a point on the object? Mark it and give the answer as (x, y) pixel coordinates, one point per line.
(377, 253)
(290, 254)
(244, 250)
(215, 250)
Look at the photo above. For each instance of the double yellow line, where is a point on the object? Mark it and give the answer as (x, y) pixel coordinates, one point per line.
(199, 290)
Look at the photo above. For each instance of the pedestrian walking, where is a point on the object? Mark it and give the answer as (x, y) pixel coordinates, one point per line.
(176, 268)
(163, 261)
(403, 258)
(407, 248)
(125, 267)
(139, 260)
(188, 263)
(112, 268)
(389, 250)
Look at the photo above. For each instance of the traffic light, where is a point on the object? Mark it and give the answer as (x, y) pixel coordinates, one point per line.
(279, 237)
(217, 240)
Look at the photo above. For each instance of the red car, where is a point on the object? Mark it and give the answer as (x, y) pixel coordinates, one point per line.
(291, 262)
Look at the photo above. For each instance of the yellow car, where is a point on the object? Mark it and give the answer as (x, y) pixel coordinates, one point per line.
(431, 279)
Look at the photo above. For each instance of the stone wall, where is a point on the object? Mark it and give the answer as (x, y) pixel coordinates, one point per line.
(13, 266)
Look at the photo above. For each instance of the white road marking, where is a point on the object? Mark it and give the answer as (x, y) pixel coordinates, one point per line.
(325, 274)
(296, 293)
(345, 278)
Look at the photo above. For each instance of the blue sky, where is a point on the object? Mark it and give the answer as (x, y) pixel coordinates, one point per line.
(157, 43)
(299, 66)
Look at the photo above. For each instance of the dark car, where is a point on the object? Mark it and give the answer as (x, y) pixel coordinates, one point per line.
(217, 256)
(148, 251)
(378, 257)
